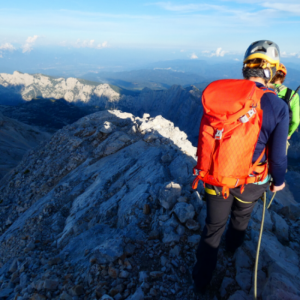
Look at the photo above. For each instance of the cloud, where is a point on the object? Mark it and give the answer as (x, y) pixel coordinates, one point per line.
(219, 53)
(287, 7)
(193, 56)
(293, 54)
(236, 59)
(7, 46)
(90, 44)
(31, 39)
(182, 50)
(185, 8)
(27, 47)
(163, 68)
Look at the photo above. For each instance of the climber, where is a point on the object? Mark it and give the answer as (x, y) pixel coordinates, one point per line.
(289, 96)
(261, 62)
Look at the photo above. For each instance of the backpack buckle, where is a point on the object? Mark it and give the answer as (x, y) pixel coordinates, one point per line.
(196, 172)
(245, 118)
(219, 134)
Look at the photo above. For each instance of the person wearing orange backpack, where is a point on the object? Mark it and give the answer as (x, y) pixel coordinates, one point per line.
(242, 144)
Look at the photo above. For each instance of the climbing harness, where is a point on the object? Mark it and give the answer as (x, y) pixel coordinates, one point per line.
(264, 199)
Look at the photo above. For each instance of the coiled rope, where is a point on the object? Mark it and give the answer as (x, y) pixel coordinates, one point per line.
(264, 199)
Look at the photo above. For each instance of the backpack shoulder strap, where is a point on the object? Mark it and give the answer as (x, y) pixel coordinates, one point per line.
(288, 95)
(280, 88)
(267, 90)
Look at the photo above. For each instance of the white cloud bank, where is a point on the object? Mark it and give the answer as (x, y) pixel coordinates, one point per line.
(27, 47)
(90, 44)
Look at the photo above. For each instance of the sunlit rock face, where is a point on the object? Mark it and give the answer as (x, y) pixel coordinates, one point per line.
(181, 106)
(104, 210)
(71, 89)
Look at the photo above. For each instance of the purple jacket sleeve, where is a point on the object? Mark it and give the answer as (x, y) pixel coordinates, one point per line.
(273, 135)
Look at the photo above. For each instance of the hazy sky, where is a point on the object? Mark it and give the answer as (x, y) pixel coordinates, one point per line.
(176, 29)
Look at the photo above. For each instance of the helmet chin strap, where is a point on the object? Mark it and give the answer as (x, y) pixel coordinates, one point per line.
(268, 71)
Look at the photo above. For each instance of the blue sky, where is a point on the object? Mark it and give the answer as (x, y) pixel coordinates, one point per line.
(170, 29)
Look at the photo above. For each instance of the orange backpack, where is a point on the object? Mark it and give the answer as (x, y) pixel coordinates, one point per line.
(229, 131)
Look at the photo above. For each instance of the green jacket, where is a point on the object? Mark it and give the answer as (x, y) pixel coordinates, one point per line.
(281, 91)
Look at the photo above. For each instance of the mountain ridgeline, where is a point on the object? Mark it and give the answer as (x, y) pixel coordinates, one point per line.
(180, 105)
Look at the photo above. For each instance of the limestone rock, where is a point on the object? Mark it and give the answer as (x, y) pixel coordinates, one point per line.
(192, 225)
(107, 127)
(138, 295)
(194, 239)
(243, 278)
(4, 293)
(281, 227)
(50, 284)
(241, 260)
(201, 217)
(227, 281)
(184, 211)
(168, 195)
(197, 202)
(256, 216)
(106, 297)
(239, 295)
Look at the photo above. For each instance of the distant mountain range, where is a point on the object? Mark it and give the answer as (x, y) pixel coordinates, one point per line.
(18, 87)
(162, 75)
(180, 105)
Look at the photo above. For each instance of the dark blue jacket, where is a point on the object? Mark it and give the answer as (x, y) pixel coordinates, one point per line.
(274, 133)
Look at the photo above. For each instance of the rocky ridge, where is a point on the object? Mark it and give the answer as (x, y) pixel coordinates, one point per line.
(105, 211)
(182, 106)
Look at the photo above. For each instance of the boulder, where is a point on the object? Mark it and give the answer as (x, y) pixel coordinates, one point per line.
(184, 211)
(168, 195)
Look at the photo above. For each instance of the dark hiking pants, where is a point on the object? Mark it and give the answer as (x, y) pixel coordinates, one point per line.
(218, 210)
